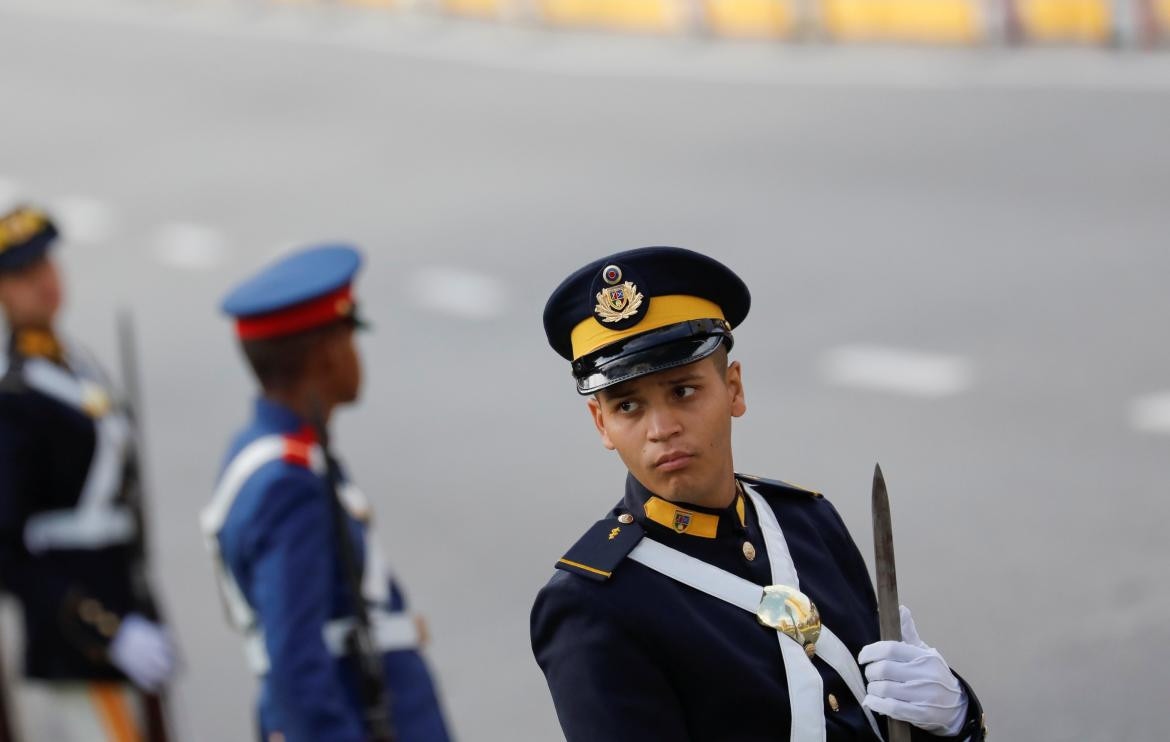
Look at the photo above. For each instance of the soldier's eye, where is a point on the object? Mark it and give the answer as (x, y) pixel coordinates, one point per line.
(628, 406)
(683, 392)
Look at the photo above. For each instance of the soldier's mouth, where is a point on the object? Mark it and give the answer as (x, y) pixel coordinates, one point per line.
(673, 461)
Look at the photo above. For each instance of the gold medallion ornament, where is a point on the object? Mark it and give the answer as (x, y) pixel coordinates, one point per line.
(790, 612)
(95, 401)
(616, 303)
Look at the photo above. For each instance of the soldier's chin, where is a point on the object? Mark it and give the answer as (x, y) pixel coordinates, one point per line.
(675, 485)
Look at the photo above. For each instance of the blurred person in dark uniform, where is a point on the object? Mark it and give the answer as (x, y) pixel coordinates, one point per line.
(710, 605)
(70, 529)
(282, 574)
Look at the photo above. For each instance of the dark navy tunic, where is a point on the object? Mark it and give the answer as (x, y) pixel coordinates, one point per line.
(71, 596)
(630, 654)
(279, 543)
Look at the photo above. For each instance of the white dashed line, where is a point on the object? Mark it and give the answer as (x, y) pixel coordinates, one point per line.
(189, 246)
(897, 370)
(10, 194)
(84, 220)
(1151, 413)
(458, 293)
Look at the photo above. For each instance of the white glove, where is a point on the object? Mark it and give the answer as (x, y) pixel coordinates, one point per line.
(144, 652)
(910, 681)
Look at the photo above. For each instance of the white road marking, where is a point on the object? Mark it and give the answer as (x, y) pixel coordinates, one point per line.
(83, 220)
(1151, 413)
(458, 293)
(189, 246)
(897, 370)
(10, 194)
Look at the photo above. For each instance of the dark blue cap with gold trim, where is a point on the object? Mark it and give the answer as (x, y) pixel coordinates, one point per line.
(642, 311)
(25, 236)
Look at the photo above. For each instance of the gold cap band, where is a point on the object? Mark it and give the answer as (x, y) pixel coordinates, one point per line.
(590, 335)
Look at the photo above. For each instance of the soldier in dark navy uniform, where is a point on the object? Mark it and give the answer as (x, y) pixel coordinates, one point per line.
(69, 528)
(710, 605)
(270, 529)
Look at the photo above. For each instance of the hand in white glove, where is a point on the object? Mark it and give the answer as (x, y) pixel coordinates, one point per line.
(143, 651)
(910, 681)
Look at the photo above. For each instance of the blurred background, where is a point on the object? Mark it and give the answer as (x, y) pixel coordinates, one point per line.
(956, 234)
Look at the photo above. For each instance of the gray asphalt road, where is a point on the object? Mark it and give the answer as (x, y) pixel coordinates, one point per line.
(1007, 211)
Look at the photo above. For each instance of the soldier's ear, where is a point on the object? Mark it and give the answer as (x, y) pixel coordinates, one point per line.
(735, 388)
(599, 422)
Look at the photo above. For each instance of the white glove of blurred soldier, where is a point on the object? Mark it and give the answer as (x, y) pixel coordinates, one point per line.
(143, 651)
(910, 681)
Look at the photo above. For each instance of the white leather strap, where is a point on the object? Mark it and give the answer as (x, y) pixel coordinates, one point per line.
(698, 574)
(829, 647)
(96, 522)
(805, 687)
(246, 462)
(390, 632)
(79, 528)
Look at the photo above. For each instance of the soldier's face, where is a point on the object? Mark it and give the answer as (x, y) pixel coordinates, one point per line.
(344, 365)
(31, 296)
(672, 429)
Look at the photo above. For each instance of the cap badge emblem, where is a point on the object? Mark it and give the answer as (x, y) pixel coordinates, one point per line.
(616, 303)
(612, 275)
(681, 520)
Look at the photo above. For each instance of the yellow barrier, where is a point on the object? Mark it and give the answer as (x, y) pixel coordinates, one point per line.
(1065, 20)
(938, 21)
(756, 18)
(475, 8)
(1161, 13)
(625, 15)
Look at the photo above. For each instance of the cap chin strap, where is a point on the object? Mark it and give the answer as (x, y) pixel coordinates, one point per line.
(805, 688)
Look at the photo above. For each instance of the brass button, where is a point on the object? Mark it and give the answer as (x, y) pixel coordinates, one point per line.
(833, 703)
(107, 625)
(90, 611)
(625, 518)
(749, 551)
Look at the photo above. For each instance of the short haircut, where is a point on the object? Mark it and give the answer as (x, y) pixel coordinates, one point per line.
(719, 357)
(281, 362)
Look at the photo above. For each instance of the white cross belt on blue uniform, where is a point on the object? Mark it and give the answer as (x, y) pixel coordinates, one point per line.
(391, 630)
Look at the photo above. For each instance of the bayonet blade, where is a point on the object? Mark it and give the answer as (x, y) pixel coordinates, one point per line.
(889, 619)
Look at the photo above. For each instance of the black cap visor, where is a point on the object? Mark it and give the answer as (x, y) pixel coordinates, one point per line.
(650, 352)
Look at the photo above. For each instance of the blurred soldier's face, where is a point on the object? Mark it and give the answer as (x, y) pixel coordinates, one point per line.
(672, 429)
(32, 295)
(344, 367)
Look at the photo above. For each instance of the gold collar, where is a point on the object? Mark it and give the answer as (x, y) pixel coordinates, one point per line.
(39, 344)
(690, 522)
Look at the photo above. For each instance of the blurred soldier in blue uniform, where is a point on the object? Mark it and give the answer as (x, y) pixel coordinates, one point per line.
(710, 605)
(269, 525)
(70, 527)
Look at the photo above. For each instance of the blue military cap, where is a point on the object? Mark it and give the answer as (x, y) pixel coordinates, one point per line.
(642, 311)
(26, 234)
(310, 288)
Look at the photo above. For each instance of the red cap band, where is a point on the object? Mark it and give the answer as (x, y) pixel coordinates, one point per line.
(313, 313)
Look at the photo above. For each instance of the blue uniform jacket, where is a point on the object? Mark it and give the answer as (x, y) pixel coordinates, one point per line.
(630, 654)
(71, 597)
(279, 543)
